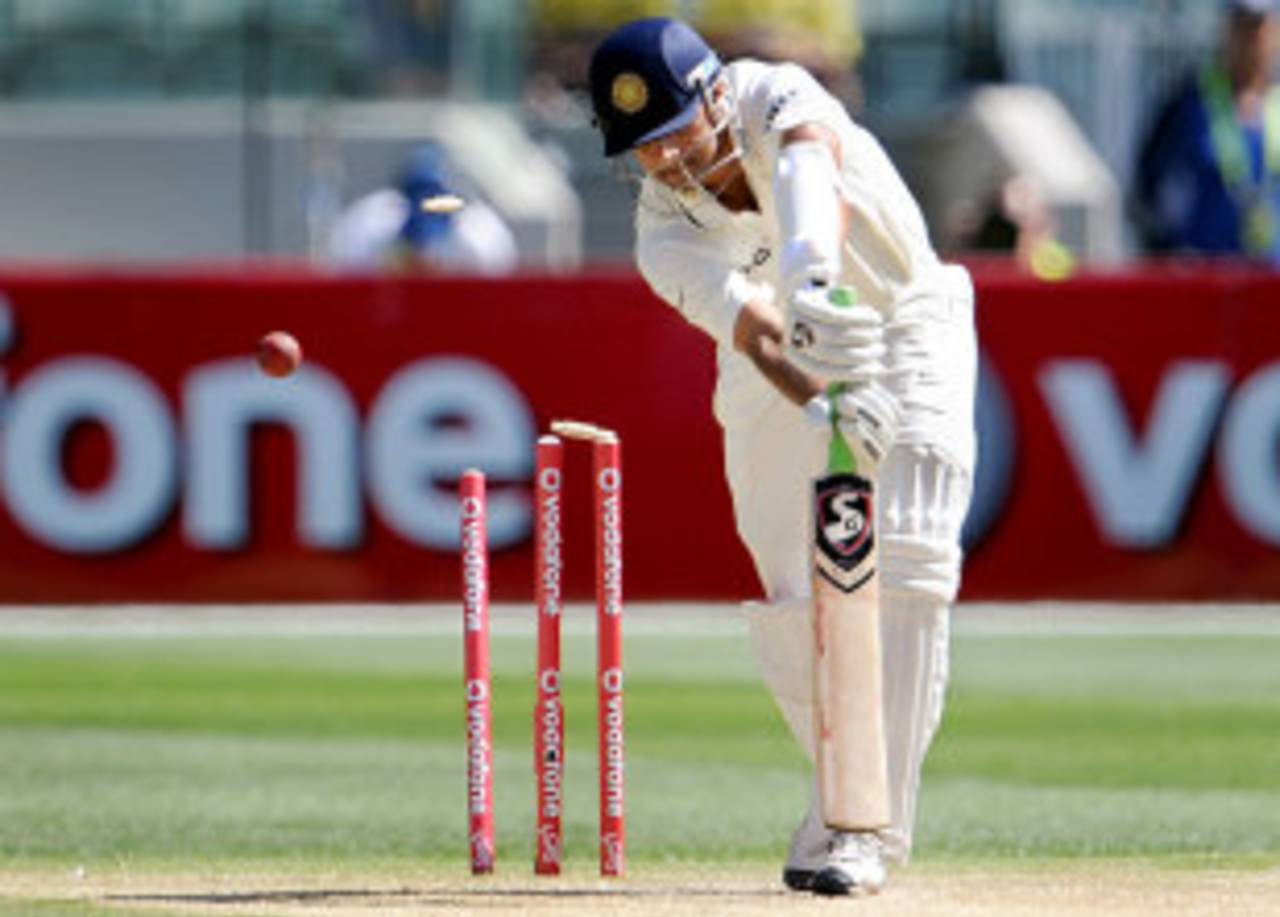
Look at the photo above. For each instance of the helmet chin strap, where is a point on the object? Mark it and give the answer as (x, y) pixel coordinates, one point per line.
(723, 119)
(696, 192)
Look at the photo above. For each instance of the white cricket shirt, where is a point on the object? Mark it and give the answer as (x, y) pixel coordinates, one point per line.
(707, 262)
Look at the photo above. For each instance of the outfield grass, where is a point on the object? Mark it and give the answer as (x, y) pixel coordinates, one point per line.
(310, 750)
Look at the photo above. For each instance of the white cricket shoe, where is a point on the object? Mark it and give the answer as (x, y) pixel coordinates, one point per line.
(854, 865)
(808, 853)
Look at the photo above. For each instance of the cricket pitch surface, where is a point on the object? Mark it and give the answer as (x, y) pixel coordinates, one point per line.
(1043, 889)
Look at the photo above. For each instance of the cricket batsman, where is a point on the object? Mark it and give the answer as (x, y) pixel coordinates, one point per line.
(771, 221)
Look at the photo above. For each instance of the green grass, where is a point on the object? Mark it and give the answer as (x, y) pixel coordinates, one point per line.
(319, 750)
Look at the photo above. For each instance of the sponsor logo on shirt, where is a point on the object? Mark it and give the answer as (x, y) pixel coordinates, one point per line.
(776, 106)
(759, 258)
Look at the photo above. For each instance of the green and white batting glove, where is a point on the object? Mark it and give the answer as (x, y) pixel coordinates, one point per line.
(831, 336)
(867, 414)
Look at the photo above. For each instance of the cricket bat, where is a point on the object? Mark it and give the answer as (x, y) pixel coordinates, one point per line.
(851, 756)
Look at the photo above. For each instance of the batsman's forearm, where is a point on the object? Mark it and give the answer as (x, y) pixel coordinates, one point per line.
(758, 334)
(797, 385)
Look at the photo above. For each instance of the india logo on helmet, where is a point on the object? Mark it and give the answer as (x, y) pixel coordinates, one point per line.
(629, 93)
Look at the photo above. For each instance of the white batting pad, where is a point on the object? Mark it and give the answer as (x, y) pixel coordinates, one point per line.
(923, 498)
(914, 634)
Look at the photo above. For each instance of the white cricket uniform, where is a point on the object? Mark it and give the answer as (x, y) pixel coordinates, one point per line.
(707, 263)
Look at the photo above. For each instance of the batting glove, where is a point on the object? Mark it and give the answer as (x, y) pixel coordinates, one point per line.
(832, 337)
(867, 414)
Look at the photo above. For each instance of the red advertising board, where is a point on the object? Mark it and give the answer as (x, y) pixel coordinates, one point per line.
(1145, 414)
(1128, 431)
(405, 384)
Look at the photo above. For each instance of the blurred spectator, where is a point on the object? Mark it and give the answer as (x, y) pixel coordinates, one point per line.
(1207, 175)
(563, 34)
(1016, 219)
(389, 230)
(824, 36)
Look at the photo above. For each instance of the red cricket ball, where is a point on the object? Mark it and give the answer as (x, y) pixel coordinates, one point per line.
(279, 354)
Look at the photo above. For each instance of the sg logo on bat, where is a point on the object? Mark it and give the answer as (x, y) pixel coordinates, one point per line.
(845, 530)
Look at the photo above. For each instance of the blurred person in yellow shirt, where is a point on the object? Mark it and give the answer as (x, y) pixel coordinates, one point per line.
(824, 36)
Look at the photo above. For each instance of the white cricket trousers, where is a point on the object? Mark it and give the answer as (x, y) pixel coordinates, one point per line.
(923, 492)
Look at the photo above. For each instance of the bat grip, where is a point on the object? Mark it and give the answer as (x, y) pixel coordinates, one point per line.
(840, 456)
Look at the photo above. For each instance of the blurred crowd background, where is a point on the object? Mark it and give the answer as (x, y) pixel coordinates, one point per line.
(164, 131)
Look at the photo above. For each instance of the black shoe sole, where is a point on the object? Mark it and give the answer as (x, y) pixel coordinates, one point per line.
(834, 882)
(798, 880)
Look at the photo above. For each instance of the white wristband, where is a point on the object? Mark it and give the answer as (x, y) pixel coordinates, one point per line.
(807, 193)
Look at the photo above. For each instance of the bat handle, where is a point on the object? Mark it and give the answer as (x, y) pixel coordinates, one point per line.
(840, 456)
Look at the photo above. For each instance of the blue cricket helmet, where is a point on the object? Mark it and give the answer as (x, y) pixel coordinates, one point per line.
(424, 175)
(646, 81)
